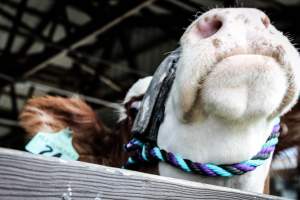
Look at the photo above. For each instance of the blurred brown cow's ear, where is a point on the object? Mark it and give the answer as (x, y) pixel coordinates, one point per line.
(91, 139)
(38, 115)
(52, 114)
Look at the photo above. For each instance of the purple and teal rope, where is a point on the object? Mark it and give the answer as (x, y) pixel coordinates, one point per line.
(146, 153)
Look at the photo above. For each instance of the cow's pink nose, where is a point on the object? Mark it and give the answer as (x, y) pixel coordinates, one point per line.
(208, 26)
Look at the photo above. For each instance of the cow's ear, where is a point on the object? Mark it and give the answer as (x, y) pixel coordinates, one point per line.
(40, 115)
(90, 137)
(133, 98)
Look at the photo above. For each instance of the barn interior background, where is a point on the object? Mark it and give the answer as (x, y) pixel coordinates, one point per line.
(98, 48)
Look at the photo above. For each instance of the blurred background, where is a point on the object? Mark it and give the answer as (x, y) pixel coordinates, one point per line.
(98, 48)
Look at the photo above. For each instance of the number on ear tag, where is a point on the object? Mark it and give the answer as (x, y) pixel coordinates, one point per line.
(53, 145)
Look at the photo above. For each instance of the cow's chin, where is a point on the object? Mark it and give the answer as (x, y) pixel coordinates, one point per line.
(243, 87)
(239, 87)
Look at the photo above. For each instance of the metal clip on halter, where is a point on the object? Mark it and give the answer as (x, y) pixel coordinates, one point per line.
(151, 112)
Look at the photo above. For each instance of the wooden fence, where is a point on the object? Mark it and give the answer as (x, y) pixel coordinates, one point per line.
(27, 176)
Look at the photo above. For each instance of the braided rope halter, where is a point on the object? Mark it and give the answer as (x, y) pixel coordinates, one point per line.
(144, 153)
(143, 146)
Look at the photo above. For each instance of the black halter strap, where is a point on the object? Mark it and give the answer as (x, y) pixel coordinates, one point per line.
(151, 112)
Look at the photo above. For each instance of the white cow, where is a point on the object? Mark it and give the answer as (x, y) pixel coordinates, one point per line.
(235, 75)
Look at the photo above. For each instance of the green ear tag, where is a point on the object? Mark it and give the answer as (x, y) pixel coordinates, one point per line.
(53, 145)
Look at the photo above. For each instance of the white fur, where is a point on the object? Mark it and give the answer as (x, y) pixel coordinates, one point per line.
(225, 97)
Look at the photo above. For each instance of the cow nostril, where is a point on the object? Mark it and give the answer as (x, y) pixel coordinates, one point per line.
(266, 21)
(209, 26)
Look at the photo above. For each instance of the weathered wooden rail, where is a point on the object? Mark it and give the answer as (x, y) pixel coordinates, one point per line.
(27, 176)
